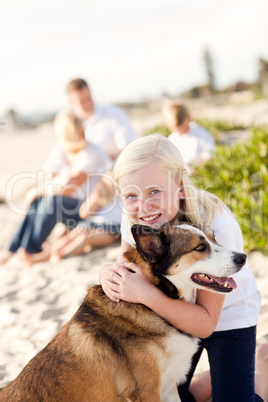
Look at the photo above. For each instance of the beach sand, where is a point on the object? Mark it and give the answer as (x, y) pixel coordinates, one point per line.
(36, 301)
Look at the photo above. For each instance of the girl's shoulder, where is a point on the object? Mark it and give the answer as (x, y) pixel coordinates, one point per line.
(227, 231)
(224, 216)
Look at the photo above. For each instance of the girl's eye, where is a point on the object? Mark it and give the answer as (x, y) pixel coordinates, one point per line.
(201, 248)
(130, 197)
(155, 192)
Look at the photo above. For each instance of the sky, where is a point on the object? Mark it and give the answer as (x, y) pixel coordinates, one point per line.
(126, 50)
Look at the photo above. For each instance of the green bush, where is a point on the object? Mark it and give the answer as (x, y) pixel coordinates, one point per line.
(238, 175)
(159, 129)
(215, 127)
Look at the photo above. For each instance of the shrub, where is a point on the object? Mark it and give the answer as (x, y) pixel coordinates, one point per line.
(238, 175)
(159, 129)
(216, 127)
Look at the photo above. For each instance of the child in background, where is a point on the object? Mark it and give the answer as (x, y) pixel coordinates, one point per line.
(154, 186)
(195, 143)
(72, 170)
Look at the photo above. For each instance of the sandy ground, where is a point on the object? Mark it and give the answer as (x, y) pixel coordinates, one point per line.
(35, 302)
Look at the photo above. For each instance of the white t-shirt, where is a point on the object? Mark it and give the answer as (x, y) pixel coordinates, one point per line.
(109, 128)
(91, 160)
(242, 305)
(110, 214)
(195, 147)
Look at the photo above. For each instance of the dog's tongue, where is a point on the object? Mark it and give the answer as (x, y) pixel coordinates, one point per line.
(221, 281)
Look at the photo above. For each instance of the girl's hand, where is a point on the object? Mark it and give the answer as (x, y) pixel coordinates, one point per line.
(108, 276)
(119, 283)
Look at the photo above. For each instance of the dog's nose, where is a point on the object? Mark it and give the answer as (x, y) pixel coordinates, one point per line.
(240, 258)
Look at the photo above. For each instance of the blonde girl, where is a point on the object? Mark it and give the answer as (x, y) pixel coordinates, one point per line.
(73, 167)
(154, 186)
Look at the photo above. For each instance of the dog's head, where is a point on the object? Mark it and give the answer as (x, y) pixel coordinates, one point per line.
(188, 257)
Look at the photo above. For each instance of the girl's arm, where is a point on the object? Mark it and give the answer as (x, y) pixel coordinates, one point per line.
(100, 196)
(198, 319)
(59, 184)
(64, 185)
(72, 183)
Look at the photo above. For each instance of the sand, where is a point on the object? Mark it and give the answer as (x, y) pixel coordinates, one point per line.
(36, 301)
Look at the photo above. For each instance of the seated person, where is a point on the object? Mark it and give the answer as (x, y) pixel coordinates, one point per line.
(98, 226)
(73, 168)
(195, 143)
(107, 126)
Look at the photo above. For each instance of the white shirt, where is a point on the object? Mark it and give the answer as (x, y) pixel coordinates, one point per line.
(91, 160)
(242, 305)
(110, 214)
(195, 147)
(109, 128)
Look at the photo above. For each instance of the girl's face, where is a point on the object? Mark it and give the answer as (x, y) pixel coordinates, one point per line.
(150, 196)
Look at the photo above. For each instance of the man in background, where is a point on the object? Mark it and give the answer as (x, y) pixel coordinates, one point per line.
(107, 126)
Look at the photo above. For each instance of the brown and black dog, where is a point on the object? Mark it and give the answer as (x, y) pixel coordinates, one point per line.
(111, 352)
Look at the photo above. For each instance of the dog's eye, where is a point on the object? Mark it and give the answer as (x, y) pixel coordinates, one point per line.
(201, 247)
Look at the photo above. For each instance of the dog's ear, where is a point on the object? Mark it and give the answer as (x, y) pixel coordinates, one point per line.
(152, 244)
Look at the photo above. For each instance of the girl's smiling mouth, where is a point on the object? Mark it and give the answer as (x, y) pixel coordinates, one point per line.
(150, 218)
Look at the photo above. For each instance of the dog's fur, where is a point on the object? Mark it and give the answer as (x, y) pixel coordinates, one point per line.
(123, 351)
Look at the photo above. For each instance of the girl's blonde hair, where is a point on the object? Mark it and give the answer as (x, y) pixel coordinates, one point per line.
(70, 131)
(198, 206)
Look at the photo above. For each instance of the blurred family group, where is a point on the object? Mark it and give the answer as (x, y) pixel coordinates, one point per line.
(78, 190)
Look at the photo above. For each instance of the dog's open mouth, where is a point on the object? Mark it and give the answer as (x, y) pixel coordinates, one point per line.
(223, 284)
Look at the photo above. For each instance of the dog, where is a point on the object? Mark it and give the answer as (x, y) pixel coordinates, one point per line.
(113, 352)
